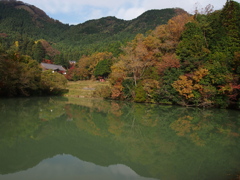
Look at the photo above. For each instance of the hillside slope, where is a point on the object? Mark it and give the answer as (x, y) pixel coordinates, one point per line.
(21, 19)
(18, 18)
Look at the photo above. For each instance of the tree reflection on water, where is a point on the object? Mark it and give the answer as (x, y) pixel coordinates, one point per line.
(160, 142)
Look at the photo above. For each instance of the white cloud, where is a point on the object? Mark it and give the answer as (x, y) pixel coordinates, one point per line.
(95, 14)
(54, 6)
(129, 13)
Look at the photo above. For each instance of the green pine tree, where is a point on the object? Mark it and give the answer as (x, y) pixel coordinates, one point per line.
(38, 52)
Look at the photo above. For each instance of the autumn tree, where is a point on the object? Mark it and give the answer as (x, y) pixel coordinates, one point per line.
(176, 25)
(168, 61)
(49, 50)
(147, 57)
(138, 57)
(190, 87)
(119, 73)
(86, 66)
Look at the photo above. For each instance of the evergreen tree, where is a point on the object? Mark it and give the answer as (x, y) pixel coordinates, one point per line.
(29, 49)
(230, 19)
(60, 60)
(38, 52)
(192, 50)
(103, 68)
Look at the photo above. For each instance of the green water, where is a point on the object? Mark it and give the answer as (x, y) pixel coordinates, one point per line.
(70, 139)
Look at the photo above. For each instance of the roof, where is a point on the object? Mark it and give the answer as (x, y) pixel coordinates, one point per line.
(53, 67)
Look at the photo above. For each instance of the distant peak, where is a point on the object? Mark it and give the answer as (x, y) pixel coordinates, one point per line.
(33, 10)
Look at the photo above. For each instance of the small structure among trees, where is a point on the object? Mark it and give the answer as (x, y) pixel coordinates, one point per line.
(53, 67)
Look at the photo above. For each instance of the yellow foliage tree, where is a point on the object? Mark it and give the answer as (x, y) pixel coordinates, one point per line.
(87, 64)
(188, 83)
(184, 86)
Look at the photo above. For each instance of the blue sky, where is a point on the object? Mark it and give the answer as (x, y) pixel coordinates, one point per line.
(79, 11)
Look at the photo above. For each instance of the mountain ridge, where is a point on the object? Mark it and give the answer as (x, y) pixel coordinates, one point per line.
(19, 19)
(40, 13)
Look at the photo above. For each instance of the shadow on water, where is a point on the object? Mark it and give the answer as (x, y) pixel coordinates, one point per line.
(59, 138)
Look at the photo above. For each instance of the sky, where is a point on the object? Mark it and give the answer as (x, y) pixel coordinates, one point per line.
(79, 11)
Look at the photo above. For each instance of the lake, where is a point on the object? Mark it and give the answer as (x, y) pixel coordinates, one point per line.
(57, 138)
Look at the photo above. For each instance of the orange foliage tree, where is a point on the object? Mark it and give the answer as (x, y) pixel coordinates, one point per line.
(85, 67)
(186, 85)
(138, 57)
(118, 74)
(145, 53)
(168, 60)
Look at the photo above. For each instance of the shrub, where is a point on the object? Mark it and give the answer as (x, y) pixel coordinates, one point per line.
(53, 83)
(103, 92)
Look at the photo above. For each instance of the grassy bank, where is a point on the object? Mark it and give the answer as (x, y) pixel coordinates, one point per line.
(84, 89)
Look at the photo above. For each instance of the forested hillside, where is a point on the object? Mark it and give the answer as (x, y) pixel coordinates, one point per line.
(24, 23)
(19, 19)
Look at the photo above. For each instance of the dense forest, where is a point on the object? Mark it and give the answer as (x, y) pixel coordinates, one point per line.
(190, 60)
(193, 60)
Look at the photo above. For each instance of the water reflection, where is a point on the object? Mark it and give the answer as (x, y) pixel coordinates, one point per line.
(69, 167)
(145, 141)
